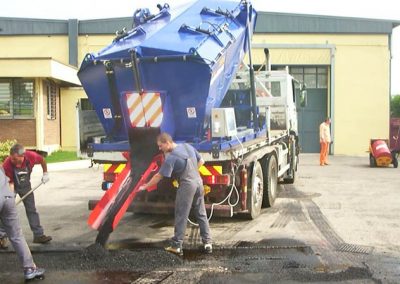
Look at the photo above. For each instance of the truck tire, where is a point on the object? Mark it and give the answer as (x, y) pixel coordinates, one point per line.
(255, 194)
(271, 185)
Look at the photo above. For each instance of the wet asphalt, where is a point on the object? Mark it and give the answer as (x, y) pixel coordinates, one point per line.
(253, 263)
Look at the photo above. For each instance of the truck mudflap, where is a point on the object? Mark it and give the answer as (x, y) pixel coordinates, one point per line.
(115, 202)
(144, 161)
(123, 180)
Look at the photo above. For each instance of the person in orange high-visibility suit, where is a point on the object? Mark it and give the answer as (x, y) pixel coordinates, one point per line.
(324, 140)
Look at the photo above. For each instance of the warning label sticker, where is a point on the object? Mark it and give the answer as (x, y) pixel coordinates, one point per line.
(191, 112)
(107, 113)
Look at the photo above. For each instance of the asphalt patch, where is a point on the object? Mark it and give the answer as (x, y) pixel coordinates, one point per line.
(94, 252)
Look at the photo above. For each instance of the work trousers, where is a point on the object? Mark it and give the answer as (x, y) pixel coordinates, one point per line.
(323, 156)
(190, 194)
(9, 218)
(31, 213)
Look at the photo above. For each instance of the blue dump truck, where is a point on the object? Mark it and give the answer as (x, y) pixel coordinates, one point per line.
(188, 72)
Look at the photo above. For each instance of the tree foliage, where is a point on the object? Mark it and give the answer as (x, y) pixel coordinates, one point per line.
(395, 106)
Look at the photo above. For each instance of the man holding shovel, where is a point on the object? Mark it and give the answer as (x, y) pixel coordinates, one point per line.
(9, 217)
(18, 167)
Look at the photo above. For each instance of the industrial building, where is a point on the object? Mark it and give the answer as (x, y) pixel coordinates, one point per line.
(345, 63)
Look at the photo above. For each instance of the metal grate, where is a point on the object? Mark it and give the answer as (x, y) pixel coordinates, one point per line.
(343, 247)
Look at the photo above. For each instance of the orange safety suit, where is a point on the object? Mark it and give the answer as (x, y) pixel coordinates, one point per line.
(324, 140)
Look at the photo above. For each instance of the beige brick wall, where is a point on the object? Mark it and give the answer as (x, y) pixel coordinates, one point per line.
(23, 130)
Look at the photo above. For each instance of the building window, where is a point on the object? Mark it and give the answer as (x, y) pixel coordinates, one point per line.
(313, 77)
(5, 98)
(16, 98)
(51, 100)
(85, 104)
(310, 77)
(322, 77)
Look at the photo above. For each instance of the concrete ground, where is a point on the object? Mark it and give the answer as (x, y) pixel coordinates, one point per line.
(360, 203)
(346, 213)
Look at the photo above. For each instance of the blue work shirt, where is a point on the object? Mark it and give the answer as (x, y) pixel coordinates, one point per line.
(4, 185)
(175, 162)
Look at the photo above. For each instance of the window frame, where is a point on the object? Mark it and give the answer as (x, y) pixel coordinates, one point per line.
(294, 71)
(10, 100)
(12, 82)
(51, 100)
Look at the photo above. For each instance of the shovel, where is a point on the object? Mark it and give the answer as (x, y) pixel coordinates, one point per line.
(27, 194)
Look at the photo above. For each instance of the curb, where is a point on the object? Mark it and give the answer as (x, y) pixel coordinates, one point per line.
(71, 165)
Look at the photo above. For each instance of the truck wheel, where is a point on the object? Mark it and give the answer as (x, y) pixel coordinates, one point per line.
(372, 162)
(255, 194)
(271, 186)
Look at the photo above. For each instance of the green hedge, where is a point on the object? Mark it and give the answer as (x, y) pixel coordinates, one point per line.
(5, 148)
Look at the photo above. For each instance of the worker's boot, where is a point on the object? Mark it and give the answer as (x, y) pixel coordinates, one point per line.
(33, 272)
(42, 239)
(4, 242)
(175, 249)
(208, 248)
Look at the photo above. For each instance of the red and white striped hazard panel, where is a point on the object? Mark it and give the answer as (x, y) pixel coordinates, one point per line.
(145, 110)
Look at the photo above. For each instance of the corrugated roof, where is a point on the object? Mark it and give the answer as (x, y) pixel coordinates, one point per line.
(272, 22)
(25, 26)
(105, 26)
(267, 22)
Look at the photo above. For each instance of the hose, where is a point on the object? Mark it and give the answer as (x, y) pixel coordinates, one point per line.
(233, 188)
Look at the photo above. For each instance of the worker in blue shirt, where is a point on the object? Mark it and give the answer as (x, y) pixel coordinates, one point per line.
(182, 162)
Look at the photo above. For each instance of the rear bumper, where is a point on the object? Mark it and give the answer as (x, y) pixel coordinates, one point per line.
(167, 208)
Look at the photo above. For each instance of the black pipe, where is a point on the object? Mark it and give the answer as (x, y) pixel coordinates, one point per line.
(114, 96)
(252, 82)
(135, 69)
(267, 60)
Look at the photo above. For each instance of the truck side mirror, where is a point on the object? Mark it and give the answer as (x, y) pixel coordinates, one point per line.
(303, 95)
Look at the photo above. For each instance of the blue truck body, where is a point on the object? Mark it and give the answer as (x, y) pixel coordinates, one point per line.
(188, 56)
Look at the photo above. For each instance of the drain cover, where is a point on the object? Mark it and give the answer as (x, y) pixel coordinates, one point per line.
(354, 248)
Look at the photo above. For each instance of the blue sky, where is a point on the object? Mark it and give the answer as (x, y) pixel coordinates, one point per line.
(97, 9)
